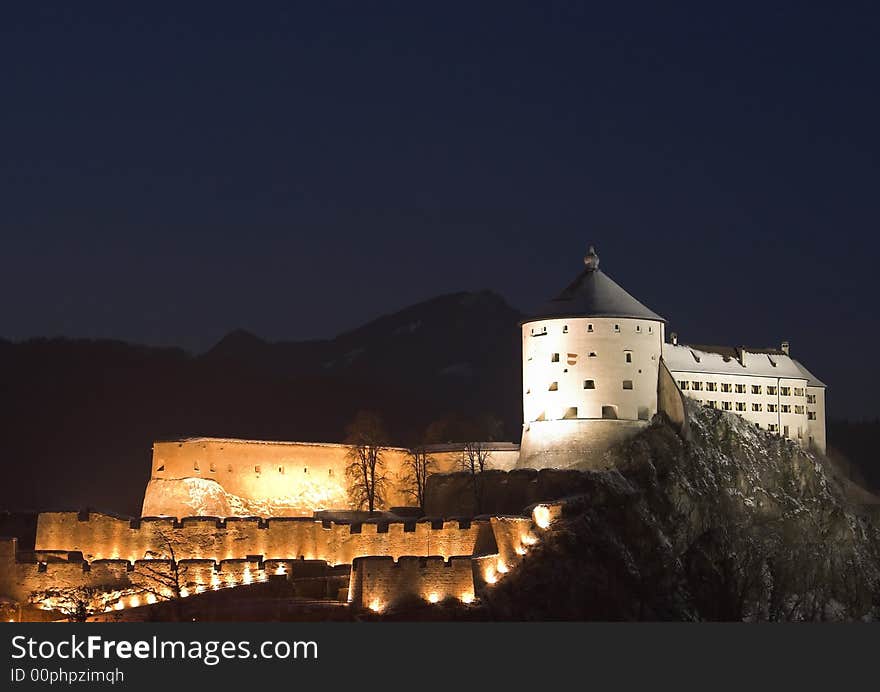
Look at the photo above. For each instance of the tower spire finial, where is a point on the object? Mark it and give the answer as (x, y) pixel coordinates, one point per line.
(591, 259)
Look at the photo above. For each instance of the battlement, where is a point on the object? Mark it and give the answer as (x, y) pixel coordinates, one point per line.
(102, 536)
(429, 558)
(378, 582)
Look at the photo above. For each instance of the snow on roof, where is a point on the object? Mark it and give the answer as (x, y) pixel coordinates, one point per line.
(724, 360)
(812, 380)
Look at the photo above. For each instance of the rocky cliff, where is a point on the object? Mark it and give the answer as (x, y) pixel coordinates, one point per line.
(731, 524)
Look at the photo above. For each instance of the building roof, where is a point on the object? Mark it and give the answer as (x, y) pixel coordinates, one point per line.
(729, 360)
(594, 294)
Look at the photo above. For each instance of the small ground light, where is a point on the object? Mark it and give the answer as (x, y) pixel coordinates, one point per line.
(434, 597)
(541, 516)
(502, 567)
(375, 606)
(467, 598)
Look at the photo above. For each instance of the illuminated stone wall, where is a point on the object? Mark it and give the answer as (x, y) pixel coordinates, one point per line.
(377, 582)
(225, 477)
(560, 444)
(390, 562)
(101, 536)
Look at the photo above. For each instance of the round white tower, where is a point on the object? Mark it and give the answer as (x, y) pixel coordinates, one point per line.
(591, 360)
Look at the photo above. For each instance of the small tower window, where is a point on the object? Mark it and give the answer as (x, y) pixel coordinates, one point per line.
(643, 413)
(541, 416)
(565, 329)
(212, 468)
(161, 468)
(589, 327)
(609, 412)
(280, 469)
(554, 386)
(628, 356)
(592, 354)
(650, 330)
(627, 384)
(329, 472)
(554, 358)
(570, 412)
(617, 328)
(256, 469)
(195, 466)
(305, 469)
(638, 329)
(589, 384)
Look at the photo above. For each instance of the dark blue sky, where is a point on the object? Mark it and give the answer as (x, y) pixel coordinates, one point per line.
(296, 169)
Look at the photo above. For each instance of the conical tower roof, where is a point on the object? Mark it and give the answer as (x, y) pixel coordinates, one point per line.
(594, 294)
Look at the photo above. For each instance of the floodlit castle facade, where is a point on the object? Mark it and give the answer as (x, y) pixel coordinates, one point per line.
(595, 361)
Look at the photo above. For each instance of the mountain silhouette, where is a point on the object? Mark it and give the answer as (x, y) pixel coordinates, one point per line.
(79, 416)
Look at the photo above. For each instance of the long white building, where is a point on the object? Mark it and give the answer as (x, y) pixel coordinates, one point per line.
(593, 359)
(764, 385)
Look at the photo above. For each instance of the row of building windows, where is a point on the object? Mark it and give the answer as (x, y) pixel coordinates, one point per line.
(740, 406)
(588, 384)
(609, 412)
(257, 469)
(571, 358)
(772, 390)
(542, 331)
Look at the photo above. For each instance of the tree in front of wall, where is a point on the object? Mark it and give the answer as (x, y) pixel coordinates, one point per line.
(367, 444)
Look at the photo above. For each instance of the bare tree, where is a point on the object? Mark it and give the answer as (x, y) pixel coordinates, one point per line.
(416, 468)
(366, 440)
(478, 435)
(161, 574)
(76, 603)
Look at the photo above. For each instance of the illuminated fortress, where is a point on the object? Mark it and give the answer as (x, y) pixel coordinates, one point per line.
(596, 369)
(596, 364)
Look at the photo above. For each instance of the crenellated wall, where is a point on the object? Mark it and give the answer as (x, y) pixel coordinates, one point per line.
(377, 582)
(102, 536)
(391, 561)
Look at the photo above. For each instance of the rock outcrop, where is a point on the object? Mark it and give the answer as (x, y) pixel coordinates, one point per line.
(732, 524)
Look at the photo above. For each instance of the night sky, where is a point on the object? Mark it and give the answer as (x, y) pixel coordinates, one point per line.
(296, 169)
